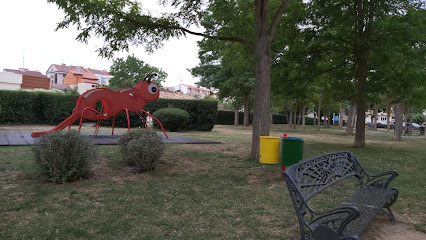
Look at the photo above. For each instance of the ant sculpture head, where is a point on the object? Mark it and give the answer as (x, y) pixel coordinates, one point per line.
(147, 89)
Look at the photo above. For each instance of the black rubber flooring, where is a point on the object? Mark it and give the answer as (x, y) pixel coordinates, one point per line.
(24, 138)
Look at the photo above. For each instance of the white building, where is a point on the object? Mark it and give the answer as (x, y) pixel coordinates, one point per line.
(382, 117)
(103, 76)
(10, 81)
(193, 90)
(57, 72)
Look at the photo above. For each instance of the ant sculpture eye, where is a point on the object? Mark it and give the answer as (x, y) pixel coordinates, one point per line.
(152, 88)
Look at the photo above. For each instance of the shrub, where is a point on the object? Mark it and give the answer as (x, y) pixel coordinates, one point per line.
(64, 156)
(172, 119)
(142, 149)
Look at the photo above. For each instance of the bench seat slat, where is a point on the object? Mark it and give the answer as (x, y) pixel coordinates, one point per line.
(370, 201)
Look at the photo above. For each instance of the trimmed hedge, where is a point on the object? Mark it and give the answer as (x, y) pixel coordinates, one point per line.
(172, 119)
(22, 107)
(227, 118)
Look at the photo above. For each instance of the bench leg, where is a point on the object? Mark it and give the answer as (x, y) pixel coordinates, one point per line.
(391, 201)
(392, 217)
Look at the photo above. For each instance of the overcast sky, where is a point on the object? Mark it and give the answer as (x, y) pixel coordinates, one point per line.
(28, 40)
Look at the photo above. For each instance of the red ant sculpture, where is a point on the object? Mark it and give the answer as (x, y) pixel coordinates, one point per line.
(128, 99)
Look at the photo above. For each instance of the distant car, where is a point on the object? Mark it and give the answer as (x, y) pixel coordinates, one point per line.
(368, 124)
(415, 125)
(382, 125)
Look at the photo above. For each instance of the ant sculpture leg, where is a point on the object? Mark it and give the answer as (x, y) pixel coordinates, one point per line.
(82, 113)
(98, 123)
(155, 120)
(142, 119)
(128, 119)
(113, 124)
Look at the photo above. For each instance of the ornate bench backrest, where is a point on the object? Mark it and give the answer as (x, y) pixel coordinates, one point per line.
(312, 176)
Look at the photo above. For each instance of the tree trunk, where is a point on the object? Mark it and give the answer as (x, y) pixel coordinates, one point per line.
(262, 88)
(397, 132)
(363, 28)
(247, 109)
(341, 113)
(328, 114)
(236, 116)
(303, 115)
(319, 111)
(295, 116)
(299, 117)
(406, 117)
(388, 115)
(350, 122)
(375, 113)
(361, 96)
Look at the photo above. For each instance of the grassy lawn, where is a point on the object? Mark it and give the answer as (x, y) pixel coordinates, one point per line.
(198, 192)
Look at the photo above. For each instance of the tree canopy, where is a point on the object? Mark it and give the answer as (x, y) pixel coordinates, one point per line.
(128, 72)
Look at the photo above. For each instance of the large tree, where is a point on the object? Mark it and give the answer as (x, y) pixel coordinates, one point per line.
(353, 30)
(128, 72)
(228, 66)
(125, 22)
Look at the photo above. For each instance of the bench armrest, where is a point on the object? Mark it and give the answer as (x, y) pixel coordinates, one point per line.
(335, 219)
(381, 180)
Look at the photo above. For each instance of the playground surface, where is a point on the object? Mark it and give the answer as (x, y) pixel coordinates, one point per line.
(24, 138)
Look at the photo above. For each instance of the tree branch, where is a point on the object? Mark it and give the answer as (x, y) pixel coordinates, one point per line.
(330, 69)
(277, 17)
(179, 28)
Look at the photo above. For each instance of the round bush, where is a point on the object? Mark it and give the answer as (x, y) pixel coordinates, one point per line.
(64, 156)
(142, 149)
(172, 119)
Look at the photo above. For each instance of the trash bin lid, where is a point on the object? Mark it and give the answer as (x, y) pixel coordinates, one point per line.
(293, 138)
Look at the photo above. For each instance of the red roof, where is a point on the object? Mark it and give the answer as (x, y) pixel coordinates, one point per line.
(60, 86)
(86, 75)
(100, 72)
(26, 72)
(66, 68)
(198, 88)
(63, 67)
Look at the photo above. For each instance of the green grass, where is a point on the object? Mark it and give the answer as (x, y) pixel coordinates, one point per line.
(198, 192)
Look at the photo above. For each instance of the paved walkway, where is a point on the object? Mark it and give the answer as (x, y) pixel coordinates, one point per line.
(24, 138)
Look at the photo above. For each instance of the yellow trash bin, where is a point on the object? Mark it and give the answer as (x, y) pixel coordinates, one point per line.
(269, 150)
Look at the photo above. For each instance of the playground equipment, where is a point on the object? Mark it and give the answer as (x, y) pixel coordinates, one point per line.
(127, 99)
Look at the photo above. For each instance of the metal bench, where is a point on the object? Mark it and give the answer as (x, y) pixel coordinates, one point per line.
(347, 220)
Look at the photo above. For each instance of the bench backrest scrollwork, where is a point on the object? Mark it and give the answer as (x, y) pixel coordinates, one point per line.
(314, 175)
(310, 177)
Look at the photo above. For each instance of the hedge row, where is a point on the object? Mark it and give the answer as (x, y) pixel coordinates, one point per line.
(22, 107)
(227, 118)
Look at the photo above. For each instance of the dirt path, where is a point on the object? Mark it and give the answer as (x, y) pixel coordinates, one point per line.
(383, 229)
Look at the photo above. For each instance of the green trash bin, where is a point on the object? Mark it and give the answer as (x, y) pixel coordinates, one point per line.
(291, 151)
